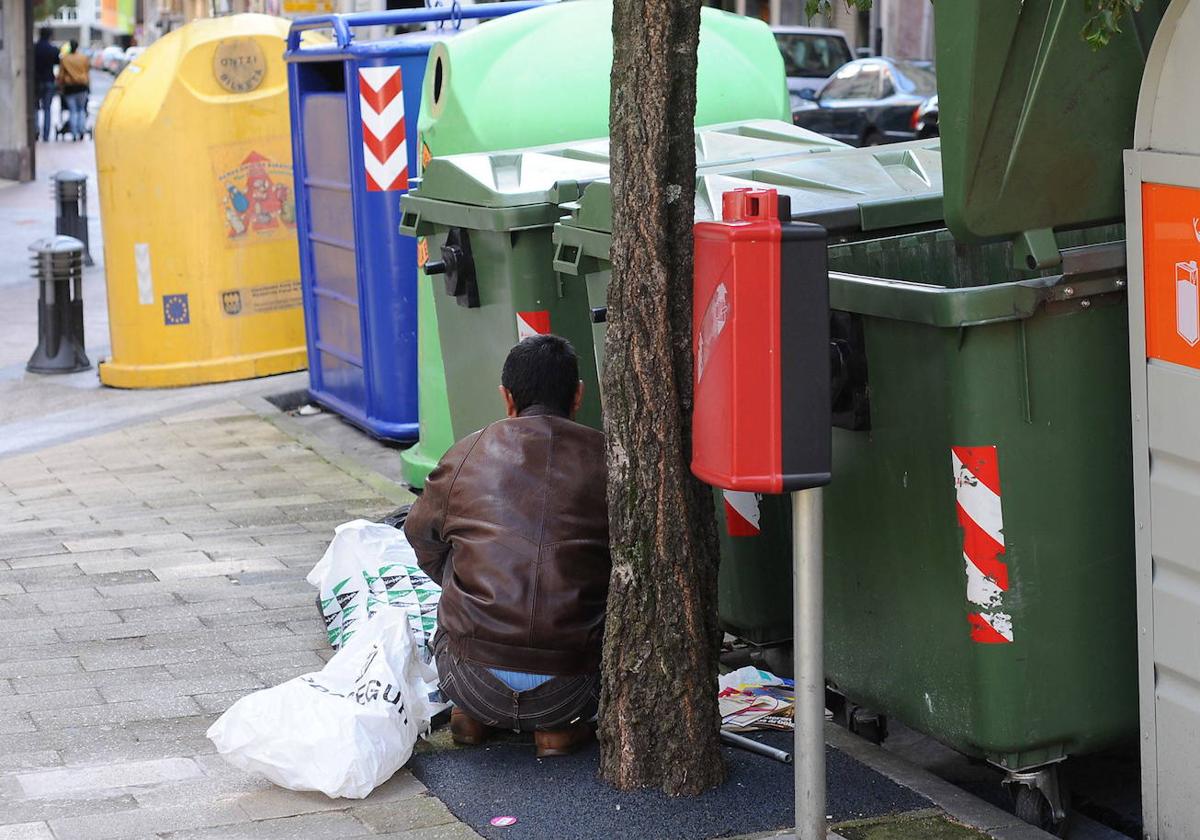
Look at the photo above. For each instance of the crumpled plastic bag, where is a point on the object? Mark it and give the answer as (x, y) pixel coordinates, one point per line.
(343, 730)
(369, 566)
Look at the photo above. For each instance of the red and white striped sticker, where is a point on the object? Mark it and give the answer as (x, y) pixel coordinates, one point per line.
(532, 323)
(977, 495)
(742, 515)
(385, 153)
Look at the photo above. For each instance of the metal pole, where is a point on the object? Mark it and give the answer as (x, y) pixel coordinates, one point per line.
(808, 753)
(755, 747)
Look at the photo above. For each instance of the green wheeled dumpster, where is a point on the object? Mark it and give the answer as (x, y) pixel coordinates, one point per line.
(545, 79)
(855, 193)
(979, 530)
(487, 220)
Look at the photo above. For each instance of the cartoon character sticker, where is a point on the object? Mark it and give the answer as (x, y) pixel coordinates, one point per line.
(256, 198)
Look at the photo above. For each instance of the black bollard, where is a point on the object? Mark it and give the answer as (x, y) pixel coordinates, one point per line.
(58, 270)
(70, 199)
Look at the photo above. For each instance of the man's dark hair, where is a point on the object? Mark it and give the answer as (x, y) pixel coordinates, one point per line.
(74, 46)
(44, 33)
(542, 370)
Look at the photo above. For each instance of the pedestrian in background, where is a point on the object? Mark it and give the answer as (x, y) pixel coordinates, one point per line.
(73, 70)
(45, 56)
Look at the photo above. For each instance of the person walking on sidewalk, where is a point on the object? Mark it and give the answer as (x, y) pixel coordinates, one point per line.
(513, 525)
(73, 79)
(45, 56)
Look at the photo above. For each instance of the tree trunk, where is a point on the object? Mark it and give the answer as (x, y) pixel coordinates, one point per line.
(659, 720)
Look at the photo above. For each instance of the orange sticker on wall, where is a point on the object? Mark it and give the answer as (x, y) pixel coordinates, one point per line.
(1171, 250)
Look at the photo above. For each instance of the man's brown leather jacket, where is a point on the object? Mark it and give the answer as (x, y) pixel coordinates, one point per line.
(513, 524)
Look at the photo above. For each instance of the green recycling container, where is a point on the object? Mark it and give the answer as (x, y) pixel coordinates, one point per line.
(542, 77)
(979, 583)
(498, 209)
(853, 193)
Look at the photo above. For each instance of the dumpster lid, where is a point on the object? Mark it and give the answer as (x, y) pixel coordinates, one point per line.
(871, 188)
(1034, 120)
(556, 173)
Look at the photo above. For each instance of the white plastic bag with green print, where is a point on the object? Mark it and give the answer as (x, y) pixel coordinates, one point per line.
(367, 567)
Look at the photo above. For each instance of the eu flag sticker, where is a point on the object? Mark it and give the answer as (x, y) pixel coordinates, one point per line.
(175, 310)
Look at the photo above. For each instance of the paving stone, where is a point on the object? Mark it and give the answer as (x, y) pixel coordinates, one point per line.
(450, 831)
(421, 811)
(215, 635)
(108, 659)
(277, 802)
(12, 723)
(218, 704)
(135, 821)
(173, 539)
(305, 659)
(72, 780)
(279, 644)
(139, 710)
(50, 700)
(128, 560)
(60, 556)
(215, 568)
(131, 679)
(34, 621)
(26, 831)
(17, 762)
(34, 667)
(302, 827)
(198, 687)
(130, 629)
(254, 613)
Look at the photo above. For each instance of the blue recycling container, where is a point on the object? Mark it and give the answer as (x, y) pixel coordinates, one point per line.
(354, 109)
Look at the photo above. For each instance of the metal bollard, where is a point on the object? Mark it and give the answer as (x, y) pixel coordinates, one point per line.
(70, 199)
(58, 270)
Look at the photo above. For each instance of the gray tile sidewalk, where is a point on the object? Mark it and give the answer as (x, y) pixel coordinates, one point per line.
(149, 577)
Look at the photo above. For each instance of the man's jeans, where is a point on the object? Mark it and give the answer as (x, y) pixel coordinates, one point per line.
(45, 97)
(552, 705)
(77, 105)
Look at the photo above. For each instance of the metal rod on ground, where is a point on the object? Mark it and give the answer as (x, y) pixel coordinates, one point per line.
(808, 640)
(755, 747)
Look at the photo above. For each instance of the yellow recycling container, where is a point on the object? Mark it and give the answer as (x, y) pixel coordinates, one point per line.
(194, 163)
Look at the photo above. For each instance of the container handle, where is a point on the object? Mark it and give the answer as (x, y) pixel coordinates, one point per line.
(343, 26)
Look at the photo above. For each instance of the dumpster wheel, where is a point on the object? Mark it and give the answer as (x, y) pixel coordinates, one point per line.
(1039, 800)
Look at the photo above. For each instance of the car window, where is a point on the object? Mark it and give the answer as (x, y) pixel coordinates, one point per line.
(806, 54)
(887, 86)
(912, 78)
(854, 81)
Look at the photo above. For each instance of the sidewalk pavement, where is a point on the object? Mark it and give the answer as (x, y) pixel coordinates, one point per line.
(153, 548)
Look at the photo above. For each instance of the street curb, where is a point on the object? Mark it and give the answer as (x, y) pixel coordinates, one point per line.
(959, 804)
(395, 493)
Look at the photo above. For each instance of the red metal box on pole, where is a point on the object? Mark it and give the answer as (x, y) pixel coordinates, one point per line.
(761, 419)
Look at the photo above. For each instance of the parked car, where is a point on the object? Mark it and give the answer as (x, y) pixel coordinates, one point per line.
(131, 54)
(870, 101)
(927, 119)
(810, 56)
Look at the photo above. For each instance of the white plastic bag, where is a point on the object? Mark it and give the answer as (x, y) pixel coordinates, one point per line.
(369, 566)
(343, 730)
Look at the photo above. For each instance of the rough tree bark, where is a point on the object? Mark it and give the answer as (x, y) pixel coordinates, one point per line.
(659, 720)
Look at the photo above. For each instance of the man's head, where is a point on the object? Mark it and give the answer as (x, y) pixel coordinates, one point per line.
(74, 46)
(542, 370)
(44, 33)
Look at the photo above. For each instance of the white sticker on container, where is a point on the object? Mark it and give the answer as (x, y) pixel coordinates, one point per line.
(145, 282)
(716, 315)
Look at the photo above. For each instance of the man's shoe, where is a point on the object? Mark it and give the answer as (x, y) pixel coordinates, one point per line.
(559, 742)
(467, 731)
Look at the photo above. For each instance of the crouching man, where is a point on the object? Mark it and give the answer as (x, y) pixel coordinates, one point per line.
(513, 524)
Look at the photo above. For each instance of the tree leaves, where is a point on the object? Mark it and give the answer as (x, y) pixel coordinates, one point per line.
(1104, 21)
